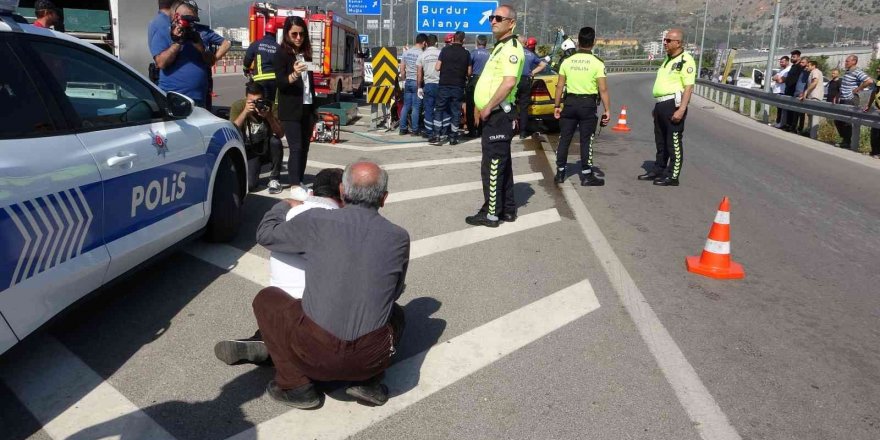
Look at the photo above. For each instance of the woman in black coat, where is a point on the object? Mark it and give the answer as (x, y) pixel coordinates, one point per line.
(296, 94)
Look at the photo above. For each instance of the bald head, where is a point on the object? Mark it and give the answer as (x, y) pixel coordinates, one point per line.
(508, 11)
(677, 32)
(365, 184)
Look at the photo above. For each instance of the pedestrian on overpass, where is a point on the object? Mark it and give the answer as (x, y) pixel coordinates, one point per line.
(412, 104)
(672, 91)
(454, 71)
(260, 58)
(532, 66)
(853, 82)
(791, 81)
(493, 98)
(478, 58)
(582, 75)
(874, 105)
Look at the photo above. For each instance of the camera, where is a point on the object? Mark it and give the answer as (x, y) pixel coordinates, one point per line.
(263, 105)
(186, 24)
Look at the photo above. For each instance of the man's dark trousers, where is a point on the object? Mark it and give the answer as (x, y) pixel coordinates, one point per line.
(469, 105)
(843, 128)
(578, 113)
(448, 108)
(256, 159)
(268, 90)
(668, 137)
(302, 351)
(523, 100)
(496, 168)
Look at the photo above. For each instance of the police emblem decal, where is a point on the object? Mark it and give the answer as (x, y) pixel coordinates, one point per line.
(160, 142)
(514, 59)
(690, 70)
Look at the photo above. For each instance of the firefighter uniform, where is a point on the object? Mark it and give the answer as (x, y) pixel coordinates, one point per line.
(582, 72)
(674, 75)
(505, 60)
(261, 55)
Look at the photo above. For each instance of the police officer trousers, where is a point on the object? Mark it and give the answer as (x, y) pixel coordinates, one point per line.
(579, 113)
(496, 169)
(668, 137)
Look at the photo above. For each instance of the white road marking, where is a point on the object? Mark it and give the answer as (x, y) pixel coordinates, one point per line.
(708, 418)
(476, 234)
(256, 268)
(402, 196)
(70, 400)
(426, 373)
(423, 163)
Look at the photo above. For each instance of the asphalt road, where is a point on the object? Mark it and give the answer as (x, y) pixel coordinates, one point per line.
(532, 332)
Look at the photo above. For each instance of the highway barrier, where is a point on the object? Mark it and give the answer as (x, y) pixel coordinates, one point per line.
(737, 98)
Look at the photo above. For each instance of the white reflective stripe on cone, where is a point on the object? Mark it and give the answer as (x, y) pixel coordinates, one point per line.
(722, 218)
(717, 247)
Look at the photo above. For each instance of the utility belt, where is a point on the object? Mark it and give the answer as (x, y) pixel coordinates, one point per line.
(676, 96)
(505, 107)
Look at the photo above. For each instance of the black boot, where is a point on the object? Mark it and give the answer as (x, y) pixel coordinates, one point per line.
(666, 181)
(303, 397)
(560, 175)
(236, 351)
(650, 175)
(481, 219)
(588, 179)
(371, 391)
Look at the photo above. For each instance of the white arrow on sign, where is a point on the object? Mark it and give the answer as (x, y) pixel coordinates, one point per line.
(486, 15)
(375, 3)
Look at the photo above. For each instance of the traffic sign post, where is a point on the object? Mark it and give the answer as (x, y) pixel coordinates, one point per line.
(471, 17)
(363, 7)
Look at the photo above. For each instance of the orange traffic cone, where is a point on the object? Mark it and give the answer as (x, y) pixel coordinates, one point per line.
(715, 261)
(621, 122)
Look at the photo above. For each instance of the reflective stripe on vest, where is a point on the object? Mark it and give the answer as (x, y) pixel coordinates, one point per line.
(260, 76)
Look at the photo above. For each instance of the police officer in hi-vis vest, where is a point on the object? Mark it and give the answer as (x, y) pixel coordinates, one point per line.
(493, 98)
(672, 91)
(582, 75)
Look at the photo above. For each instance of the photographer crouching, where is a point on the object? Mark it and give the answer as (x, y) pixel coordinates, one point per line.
(262, 134)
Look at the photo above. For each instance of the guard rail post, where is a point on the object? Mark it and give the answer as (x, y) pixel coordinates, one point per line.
(856, 137)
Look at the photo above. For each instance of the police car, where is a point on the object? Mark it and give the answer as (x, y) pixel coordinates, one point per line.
(100, 171)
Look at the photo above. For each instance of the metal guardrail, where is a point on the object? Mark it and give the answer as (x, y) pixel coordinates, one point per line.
(629, 68)
(729, 96)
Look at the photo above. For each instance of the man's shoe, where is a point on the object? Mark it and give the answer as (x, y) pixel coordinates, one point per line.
(426, 135)
(508, 217)
(238, 351)
(416, 133)
(597, 171)
(403, 132)
(372, 393)
(438, 141)
(560, 175)
(303, 397)
(481, 219)
(274, 186)
(666, 181)
(433, 140)
(589, 179)
(453, 140)
(650, 175)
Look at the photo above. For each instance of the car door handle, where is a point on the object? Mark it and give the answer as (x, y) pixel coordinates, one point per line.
(125, 158)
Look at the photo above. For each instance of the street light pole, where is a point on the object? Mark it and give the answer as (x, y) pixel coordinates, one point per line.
(391, 27)
(768, 73)
(703, 38)
(526, 19)
(729, 25)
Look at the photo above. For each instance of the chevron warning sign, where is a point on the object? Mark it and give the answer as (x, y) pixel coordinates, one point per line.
(385, 67)
(380, 95)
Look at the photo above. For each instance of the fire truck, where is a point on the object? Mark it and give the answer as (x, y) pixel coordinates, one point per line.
(335, 45)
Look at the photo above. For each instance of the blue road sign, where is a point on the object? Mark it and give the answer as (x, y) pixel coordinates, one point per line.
(363, 7)
(365, 39)
(438, 16)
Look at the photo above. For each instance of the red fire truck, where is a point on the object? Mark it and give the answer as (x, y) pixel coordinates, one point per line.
(335, 45)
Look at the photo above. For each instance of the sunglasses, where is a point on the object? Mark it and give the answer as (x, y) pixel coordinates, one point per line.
(498, 18)
(298, 34)
(668, 40)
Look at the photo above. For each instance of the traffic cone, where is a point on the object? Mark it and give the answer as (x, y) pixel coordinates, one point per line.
(715, 261)
(621, 121)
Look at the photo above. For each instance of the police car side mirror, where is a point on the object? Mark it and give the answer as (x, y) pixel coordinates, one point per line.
(178, 106)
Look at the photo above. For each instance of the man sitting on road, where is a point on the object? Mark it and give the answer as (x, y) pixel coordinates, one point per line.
(262, 133)
(347, 325)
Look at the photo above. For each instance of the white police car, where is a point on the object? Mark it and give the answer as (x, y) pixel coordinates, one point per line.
(99, 172)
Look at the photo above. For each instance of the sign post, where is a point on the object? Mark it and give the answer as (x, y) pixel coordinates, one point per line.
(439, 16)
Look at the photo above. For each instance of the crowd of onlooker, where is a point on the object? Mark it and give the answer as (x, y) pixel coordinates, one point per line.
(802, 78)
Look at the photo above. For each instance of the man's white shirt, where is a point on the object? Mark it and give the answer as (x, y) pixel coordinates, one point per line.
(779, 88)
(287, 271)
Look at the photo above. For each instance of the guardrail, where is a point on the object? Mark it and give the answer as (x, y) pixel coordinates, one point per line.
(630, 68)
(729, 96)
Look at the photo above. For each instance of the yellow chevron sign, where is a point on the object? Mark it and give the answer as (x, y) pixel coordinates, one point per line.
(385, 67)
(380, 95)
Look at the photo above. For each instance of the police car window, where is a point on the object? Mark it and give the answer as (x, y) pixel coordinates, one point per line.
(102, 93)
(22, 112)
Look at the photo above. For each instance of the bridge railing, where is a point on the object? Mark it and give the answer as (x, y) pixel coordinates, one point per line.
(630, 68)
(737, 98)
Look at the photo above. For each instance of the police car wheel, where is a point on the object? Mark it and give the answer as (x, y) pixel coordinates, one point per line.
(226, 202)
